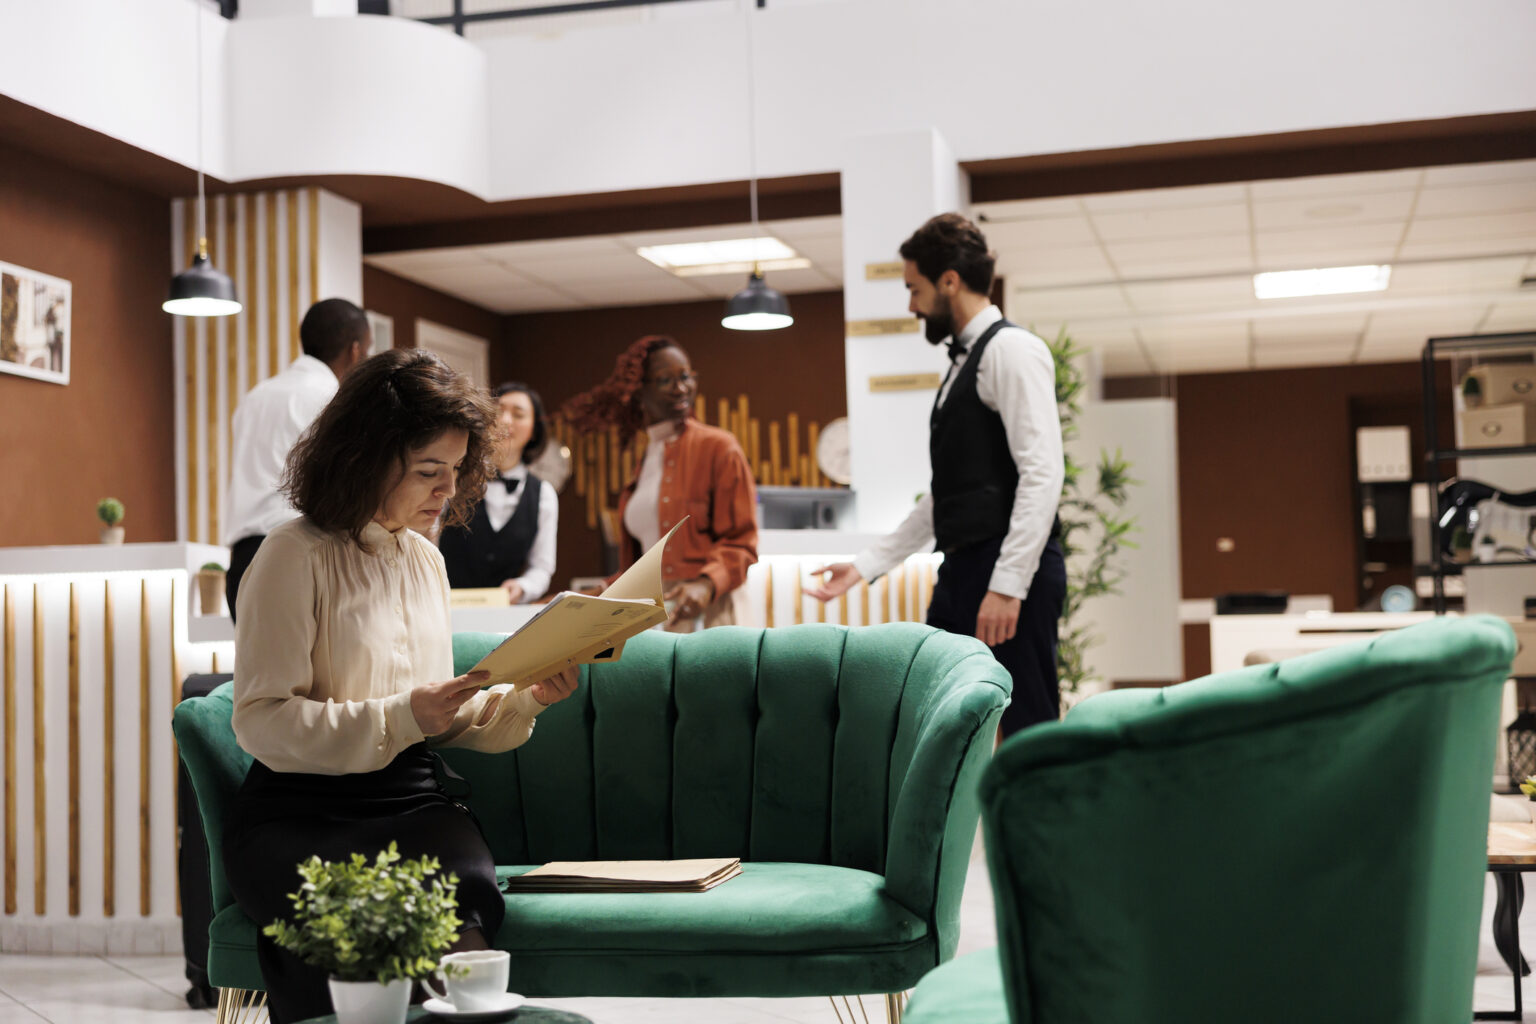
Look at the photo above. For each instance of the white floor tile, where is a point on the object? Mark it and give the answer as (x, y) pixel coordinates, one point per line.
(12, 1012)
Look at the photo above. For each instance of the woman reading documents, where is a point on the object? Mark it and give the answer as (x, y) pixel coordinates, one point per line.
(344, 678)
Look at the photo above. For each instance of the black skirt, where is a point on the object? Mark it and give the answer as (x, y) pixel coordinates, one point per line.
(280, 819)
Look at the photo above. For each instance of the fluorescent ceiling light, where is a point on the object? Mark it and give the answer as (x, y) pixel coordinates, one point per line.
(797, 263)
(1288, 284)
(705, 257)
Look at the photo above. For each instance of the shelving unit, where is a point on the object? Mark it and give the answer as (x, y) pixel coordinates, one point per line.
(1469, 348)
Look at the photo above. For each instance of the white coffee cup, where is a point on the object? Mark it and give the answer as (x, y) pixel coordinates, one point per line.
(476, 980)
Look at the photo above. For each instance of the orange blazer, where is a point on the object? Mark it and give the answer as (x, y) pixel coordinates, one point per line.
(706, 477)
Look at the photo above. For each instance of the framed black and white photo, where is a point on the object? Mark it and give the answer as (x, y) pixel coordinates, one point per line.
(34, 324)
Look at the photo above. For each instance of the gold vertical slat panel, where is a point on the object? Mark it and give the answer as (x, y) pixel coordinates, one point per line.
(189, 334)
(274, 329)
(798, 595)
(314, 244)
(108, 754)
(10, 751)
(252, 339)
(39, 768)
(293, 275)
(73, 750)
(768, 595)
(864, 602)
(143, 748)
(217, 327)
(172, 613)
(899, 584)
(236, 322)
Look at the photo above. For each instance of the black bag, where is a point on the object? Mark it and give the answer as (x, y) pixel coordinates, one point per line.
(192, 867)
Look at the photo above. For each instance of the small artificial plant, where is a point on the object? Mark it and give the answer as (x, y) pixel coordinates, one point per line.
(379, 922)
(1528, 787)
(212, 567)
(1093, 530)
(109, 511)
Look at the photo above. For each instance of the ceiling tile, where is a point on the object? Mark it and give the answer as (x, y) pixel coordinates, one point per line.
(407, 263)
(605, 264)
(1479, 226)
(1124, 362)
(1466, 247)
(1485, 197)
(1214, 361)
(1224, 335)
(520, 300)
(1180, 257)
(806, 227)
(1194, 296)
(708, 233)
(1034, 268)
(1413, 328)
(1067, 303)
(1502, 170)
(1325, 246)
(1330, 211)
(1510, 316)
(1175, 222)
(1312, 331)
(1284, 356)
(551, 248)
(790, 282)
(1042, 234)
(1027, 208)
(1165, 198)
(482, 275)
(629, 292)
(827, 252)
(1501, 273)
(1334, 185)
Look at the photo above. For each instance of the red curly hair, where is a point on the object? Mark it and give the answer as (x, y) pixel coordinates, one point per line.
(616, 401)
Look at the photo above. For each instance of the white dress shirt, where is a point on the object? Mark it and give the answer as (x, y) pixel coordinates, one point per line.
(1017, 380)
(499, 506)
(642, 516)
(267, 423)
(332, 639)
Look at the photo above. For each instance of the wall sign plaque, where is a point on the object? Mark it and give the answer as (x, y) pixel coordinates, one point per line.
(883, 271)
(870, 328)
(904, 382)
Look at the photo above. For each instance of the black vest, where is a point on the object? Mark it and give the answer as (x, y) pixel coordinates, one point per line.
(974, 475)
(478, 556)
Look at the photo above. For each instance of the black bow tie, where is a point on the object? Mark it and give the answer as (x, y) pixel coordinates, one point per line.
(956, 349)
(510, 483)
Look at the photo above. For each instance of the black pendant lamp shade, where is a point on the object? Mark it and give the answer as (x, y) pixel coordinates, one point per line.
(202, 290)
(757, 307)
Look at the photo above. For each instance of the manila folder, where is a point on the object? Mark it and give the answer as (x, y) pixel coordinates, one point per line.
(582, 629)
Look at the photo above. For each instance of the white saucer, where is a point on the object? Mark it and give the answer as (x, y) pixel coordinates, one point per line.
(509, 1001)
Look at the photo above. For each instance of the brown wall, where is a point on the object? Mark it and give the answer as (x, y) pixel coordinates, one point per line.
(799, 370)
(110, 431)
(1266, 458)
(404, 301)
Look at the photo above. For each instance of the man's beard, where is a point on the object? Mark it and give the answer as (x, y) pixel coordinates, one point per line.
(939, 324)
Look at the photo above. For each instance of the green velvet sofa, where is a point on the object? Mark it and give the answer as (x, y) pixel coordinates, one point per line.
(840, 764)
(1300, 841)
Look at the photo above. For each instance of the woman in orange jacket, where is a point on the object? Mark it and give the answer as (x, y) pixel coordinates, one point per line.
(688, 468)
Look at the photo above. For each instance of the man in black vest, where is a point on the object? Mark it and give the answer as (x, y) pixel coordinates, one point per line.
(995, 450)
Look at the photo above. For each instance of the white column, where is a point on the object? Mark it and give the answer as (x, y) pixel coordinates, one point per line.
(891, 184)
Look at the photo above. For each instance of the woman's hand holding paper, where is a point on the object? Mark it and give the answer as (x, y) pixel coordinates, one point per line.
(556, 688)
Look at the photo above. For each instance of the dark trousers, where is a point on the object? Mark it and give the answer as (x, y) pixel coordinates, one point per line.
(239, 560)
(1030, 657)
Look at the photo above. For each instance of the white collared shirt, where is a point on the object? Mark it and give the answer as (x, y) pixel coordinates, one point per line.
(642, 516)
(267, 423)
(499, 506)
(1016, 379)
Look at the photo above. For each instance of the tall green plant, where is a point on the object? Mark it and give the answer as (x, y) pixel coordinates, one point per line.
(1094, 530)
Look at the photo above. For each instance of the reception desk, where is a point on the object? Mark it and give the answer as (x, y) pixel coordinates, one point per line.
(95, 643)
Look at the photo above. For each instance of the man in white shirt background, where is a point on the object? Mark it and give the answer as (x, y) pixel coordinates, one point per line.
(335, 337)
(996, 456)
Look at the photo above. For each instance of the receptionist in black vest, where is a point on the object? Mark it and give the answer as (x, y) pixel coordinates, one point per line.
(510, 540)
(995, 451)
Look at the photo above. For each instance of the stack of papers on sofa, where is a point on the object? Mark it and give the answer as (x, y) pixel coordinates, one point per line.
(626, 875)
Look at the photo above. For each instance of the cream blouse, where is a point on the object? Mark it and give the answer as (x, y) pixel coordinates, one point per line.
(330, 641)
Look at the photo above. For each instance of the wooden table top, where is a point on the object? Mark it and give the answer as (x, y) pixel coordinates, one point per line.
(1511, 842)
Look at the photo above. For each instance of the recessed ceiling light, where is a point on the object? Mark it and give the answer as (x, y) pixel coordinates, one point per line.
(1287, 284)
(691, 258)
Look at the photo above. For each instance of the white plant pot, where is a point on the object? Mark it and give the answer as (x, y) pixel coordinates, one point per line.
(368, 1002)
(112, 535)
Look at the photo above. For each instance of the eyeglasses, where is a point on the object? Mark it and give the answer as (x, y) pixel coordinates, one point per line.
(665, 383)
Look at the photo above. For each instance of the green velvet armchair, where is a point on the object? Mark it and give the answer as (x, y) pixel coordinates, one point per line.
(840, 764)
(1300, 841)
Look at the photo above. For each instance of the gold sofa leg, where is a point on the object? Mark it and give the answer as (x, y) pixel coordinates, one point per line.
(241, 1006)
(895, 1002)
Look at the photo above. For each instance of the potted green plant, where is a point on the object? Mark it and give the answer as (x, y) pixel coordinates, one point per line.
(210, 588)
(110, 512)
(373, 928)
(1528, 787)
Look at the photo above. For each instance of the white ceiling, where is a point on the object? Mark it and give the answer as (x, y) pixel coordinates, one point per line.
(1156, 281)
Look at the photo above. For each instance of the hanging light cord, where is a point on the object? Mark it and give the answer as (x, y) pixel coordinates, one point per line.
(202, 216)
(752, 144)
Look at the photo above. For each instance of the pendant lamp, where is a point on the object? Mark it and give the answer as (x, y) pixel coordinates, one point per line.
(756, 307)
(202, 289)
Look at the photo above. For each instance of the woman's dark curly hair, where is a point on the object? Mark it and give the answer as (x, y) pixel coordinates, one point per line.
(540, 436)
(616, 401)
(387, 407)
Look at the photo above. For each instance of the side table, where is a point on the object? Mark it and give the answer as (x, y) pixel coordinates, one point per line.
(1511, 852)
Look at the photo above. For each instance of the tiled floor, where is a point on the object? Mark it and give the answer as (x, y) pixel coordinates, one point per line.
(149, 990)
